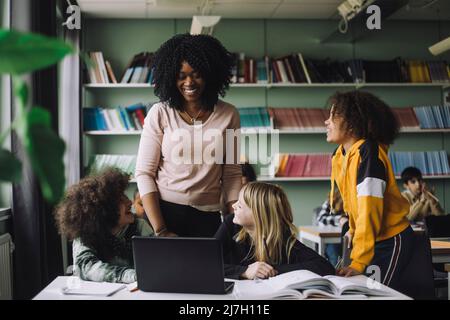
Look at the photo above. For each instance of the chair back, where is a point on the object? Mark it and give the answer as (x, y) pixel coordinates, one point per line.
(417, 280)
(438, 226)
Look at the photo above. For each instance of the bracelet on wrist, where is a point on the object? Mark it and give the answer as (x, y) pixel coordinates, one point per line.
(161, 231)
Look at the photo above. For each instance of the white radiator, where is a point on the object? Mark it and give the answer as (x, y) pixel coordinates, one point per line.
(6, 275)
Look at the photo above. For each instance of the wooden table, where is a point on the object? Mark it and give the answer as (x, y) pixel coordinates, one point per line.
(321, 236)
(440, 250)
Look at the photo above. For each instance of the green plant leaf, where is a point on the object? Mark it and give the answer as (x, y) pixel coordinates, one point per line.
(87, 60)
(20, 91)
(45, 150)
(10, 167)
(26, 52)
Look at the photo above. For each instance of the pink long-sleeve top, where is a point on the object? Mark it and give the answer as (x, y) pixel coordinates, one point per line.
(189, 164)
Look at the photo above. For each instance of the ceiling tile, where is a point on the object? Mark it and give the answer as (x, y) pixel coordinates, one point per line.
(243, 11)
(107, 2)
(278, 9)
(306, 11)
(176, 3)
(427, 13)
(162, 12)
(333, 2)
(117, 9)
(241, 2)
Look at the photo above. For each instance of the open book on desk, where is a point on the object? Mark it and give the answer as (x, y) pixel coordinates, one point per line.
(302, 284)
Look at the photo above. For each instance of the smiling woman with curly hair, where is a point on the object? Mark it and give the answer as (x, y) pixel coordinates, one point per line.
(204, 54)
(180, 192)
(95, 214)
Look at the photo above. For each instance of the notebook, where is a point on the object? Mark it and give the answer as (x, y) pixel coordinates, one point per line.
(302, 284)
(91, 288)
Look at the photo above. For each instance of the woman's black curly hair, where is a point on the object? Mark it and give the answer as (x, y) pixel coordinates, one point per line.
(205, 54)
(365, 115)
(90, 210)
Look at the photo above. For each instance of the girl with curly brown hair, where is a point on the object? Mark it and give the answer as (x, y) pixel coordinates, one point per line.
(95, 214)
(380, 234)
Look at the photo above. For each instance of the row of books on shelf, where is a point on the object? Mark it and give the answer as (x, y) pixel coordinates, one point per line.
(138, 70)
(255, 117)
(100, 162)
(130, 118)
(430, 163)
(312, 119)
(100, 71)
(304, 165)
(295, 68)
(431, 117)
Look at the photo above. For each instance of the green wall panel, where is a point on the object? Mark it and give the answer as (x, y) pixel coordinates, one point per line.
(246, 97)
(305, 197)
(120, 145)
(301, 97)
(242, 36)
(286, 36)
(121, 39)
(113, 97)
(407, 96)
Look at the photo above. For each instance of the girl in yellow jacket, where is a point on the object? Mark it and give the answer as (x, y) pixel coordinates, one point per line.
(380, 233)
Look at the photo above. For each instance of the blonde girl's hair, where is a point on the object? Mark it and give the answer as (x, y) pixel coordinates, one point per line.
(273, 220)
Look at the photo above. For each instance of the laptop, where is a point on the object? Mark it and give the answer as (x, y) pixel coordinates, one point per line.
(180, 265)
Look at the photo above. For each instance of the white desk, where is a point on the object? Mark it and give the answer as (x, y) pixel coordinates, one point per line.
(53, 292)
(320, 236)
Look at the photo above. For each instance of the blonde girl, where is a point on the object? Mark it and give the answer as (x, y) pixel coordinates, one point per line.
(260, 240)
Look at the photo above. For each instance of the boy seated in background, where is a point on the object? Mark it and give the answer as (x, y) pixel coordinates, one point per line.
(422, 200)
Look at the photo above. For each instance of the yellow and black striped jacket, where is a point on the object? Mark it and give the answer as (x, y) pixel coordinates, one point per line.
(376, 208)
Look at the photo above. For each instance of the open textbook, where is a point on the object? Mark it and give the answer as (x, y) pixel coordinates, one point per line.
(302, 284)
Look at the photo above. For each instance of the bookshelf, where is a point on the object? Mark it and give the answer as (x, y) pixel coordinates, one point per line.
(302, 179)
(259, 37)
(112, 133)
(117, 85)
(279, 85)
(294, 131)
(256, 131)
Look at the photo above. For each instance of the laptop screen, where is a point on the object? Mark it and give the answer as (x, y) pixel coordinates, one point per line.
(187, 265)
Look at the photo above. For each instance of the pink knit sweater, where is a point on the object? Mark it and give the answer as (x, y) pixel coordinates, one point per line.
(187, 164)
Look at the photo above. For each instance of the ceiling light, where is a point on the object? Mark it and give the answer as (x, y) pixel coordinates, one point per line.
(204, 24)
(440, 47)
